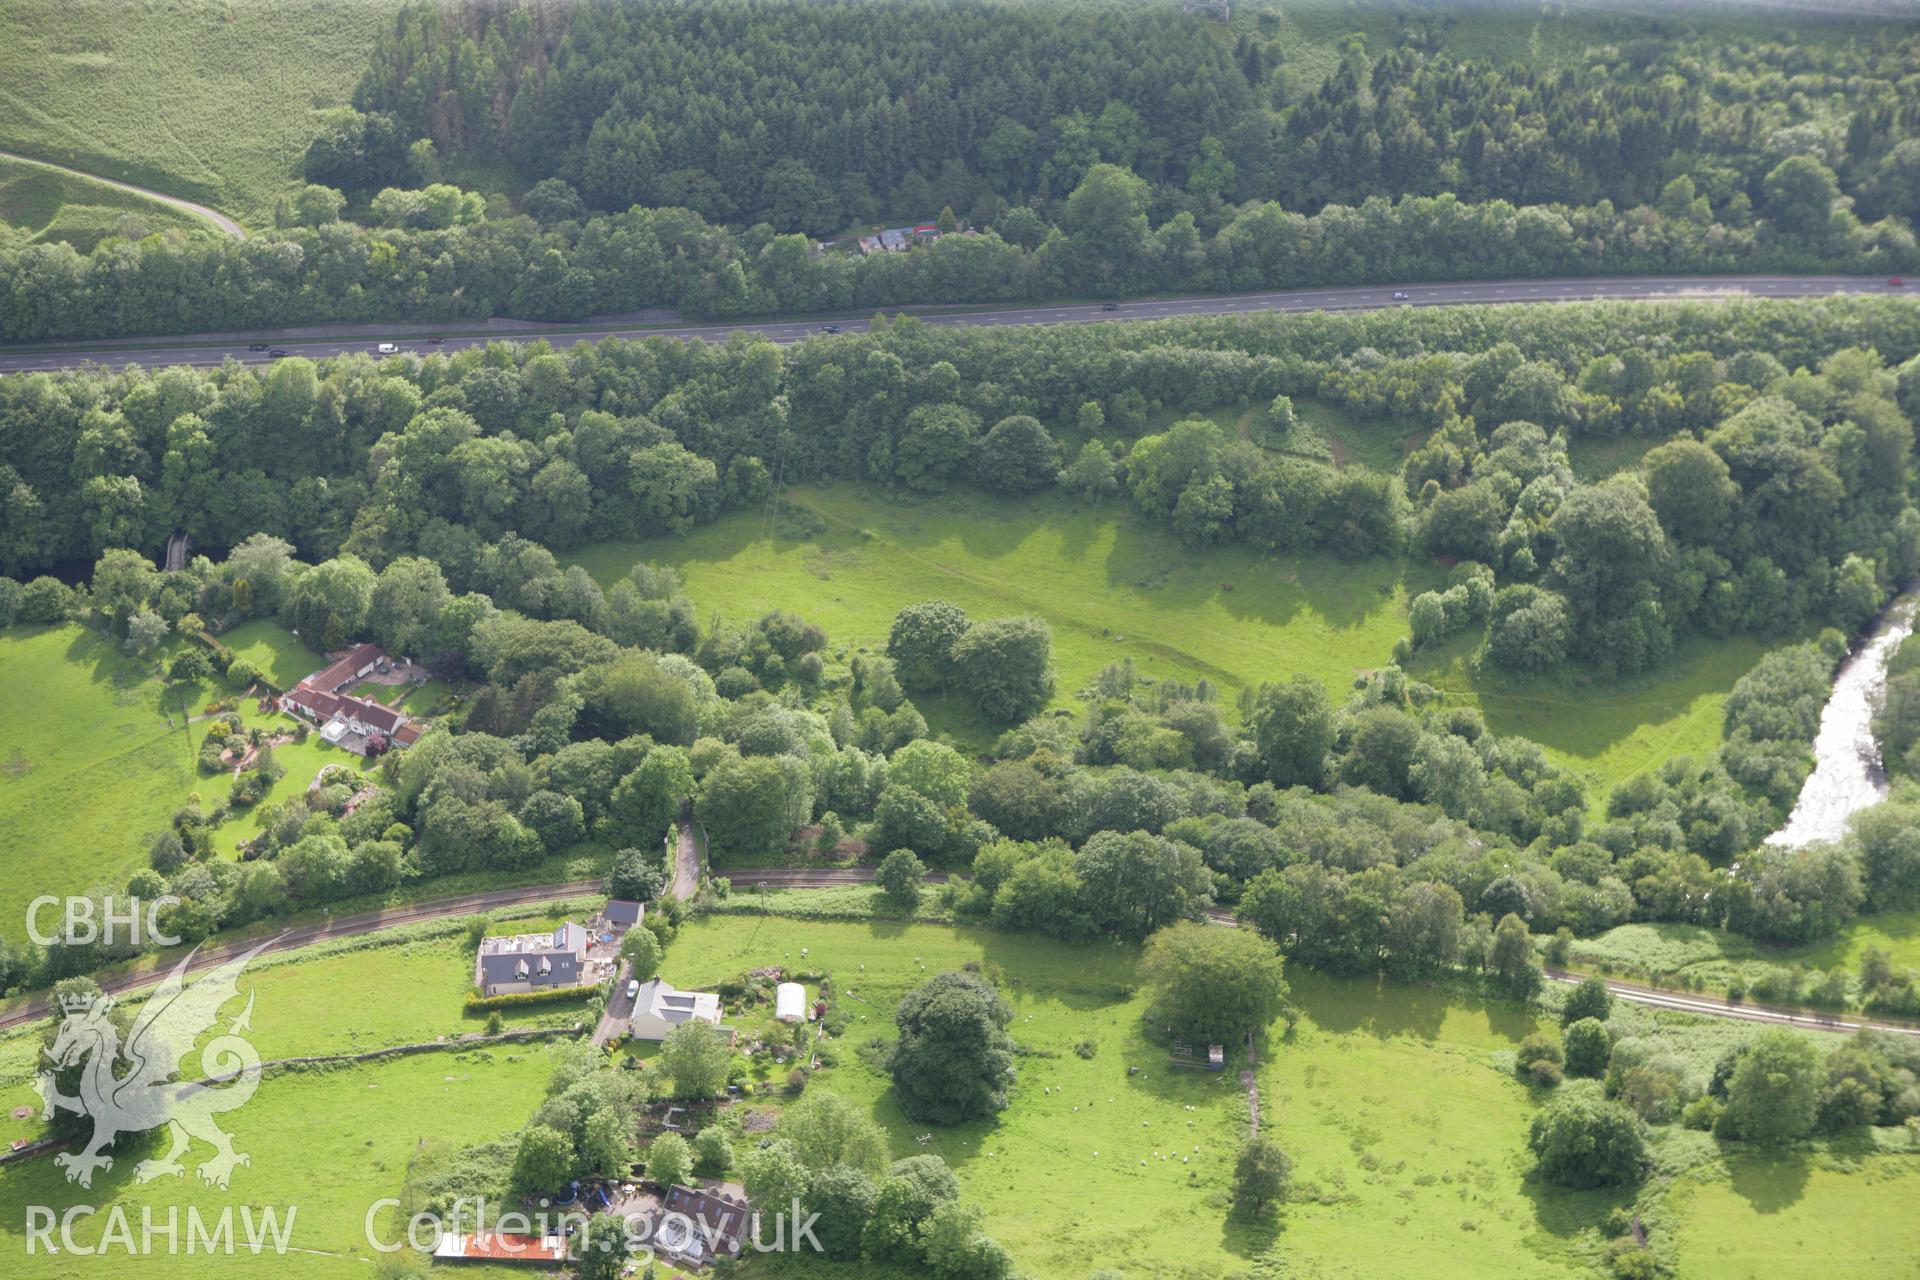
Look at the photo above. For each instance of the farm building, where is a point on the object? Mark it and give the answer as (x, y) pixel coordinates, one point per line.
(620, 915)
(790, 1002)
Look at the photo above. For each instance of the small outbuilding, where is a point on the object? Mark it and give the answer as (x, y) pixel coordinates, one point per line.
(621, 914)
(790, 1002)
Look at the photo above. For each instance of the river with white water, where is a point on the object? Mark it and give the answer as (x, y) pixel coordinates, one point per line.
(1847, 774)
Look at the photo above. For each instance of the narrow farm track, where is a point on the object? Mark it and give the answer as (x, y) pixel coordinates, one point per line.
(201, 211)
(747, 878)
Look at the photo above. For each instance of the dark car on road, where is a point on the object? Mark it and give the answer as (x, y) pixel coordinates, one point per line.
(278, 352)
(1109, 306)
(1399, 297)
(436, 342)
(829, 328)
(258, 346)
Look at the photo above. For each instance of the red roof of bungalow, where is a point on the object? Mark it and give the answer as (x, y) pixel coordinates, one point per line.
(502, 1246)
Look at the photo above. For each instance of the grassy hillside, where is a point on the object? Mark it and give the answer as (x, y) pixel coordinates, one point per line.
(89, 768)
(1114, 586)
(54, 206)
(94, 757)
(207, 99)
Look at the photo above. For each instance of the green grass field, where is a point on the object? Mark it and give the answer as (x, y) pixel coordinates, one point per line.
(280, 655)
(94, 758)
(209, 99)
(1109, 583)
(1798, 1216)
(327, 1144)
(314, 1002)
(89, 768)
(1607, 730)
(1112, 586)
(330, 1141)
(54, 206)
(1396, 1104)
(1714, 955)
(1406, 1131)
(1072, 1179)
(1597, 457)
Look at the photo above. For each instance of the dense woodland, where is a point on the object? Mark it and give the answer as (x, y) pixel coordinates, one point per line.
(448, 257)
(1780, 493)
(810, 117)
(419, 503)
(691, 158)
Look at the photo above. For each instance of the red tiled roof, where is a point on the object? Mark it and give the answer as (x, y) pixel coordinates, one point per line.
(407, 734)
(318, 703)
(343, 669)
(501, 1246)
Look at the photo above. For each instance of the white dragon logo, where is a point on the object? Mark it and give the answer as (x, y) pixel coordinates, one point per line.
(147, 1096)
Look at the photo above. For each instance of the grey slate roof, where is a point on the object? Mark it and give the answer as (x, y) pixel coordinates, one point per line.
(540, 960)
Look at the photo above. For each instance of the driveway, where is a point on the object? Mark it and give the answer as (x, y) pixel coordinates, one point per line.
(686, 860)
(619, 1008)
